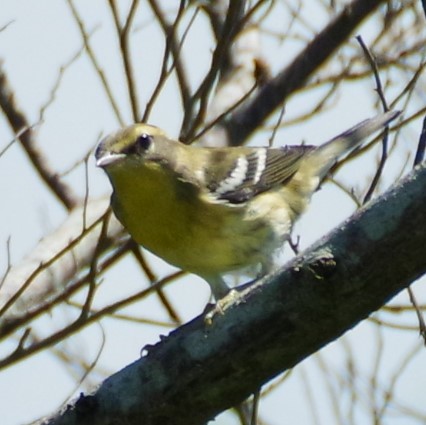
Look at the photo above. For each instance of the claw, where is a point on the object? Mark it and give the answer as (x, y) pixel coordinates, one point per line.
(222, 305)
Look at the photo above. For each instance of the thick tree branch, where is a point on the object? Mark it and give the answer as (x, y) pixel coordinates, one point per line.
(200, 370)
(252, 115)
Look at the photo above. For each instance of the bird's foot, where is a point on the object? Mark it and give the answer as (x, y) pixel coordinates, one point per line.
(222, 305)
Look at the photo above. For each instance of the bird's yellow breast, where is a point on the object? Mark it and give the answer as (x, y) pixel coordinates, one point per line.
(172, 219)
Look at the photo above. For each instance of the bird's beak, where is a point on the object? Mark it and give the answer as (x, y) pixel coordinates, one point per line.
(108, 158)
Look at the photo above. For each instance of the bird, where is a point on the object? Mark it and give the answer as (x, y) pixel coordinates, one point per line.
(212, 211)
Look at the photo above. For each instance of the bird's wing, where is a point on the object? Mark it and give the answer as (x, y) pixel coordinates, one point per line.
(257, 171)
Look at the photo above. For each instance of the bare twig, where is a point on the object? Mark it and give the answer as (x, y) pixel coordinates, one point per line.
(123, 34)
(192, 120)
(95, 63)
(221, 116)
(17, 136)
(44, 266)
(152, 278)
(422, 324)
(6, 25)
(57, 83)
(276, 126)
(81, 322)
(14, 323)
(250, 117)
(379, 90)
(172, 46)
(420, 153)
(8, 265)
(18, 122)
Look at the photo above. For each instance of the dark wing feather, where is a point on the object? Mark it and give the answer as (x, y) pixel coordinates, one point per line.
(279, 165)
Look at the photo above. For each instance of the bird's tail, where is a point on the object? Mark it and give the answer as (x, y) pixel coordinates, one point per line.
(326, 155)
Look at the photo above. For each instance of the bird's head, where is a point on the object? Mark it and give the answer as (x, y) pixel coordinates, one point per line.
(132, 143)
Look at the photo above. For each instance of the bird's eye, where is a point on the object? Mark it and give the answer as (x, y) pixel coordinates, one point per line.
(140, 146)
(143, 142)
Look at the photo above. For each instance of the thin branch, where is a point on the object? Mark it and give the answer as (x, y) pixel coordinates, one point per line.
(375, 68)
(221, 116)
(410, 85)
(271, 96)
(81, 322)
(8, 304)
(277, 125)
(379, 89)
(123, 34)
(72, 359)
(389, 392)
(93, 269)
(130, 318)
(420, 318)
(60, 76)
(174, 316)
(6, 25)
(173, 46)
(18, 121)
(95, 63)
(192, 120)
(17, 136)
(421, 147)
(11, 325)
(8, 264)
(318, 107)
